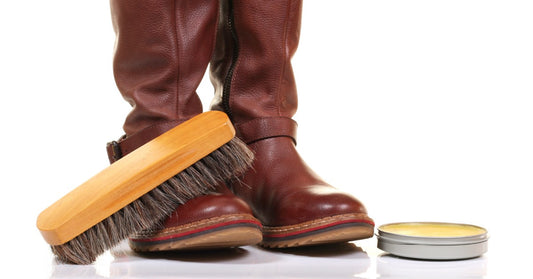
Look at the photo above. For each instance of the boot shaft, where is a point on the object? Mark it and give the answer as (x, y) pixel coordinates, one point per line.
(162, 51)
(251, 67)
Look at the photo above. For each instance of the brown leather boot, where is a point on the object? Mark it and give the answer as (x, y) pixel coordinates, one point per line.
(162, 52)
(252, 74)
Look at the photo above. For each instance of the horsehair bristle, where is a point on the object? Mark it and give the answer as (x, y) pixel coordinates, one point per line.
(151, 209)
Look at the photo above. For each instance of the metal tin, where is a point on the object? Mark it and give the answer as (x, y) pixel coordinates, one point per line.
(433, 240)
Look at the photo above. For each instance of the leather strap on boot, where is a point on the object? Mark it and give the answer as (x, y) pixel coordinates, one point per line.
(126, 144)
(267, 127)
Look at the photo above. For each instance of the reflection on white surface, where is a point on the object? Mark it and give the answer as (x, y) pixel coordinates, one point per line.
(345, 260)
(332, 261)
(74, 271)
(388, 266)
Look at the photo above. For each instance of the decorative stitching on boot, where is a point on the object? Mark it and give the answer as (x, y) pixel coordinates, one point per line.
(361, 217)
(195, 225)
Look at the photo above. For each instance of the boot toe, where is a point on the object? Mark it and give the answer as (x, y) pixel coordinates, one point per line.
(330, 201)
(319, 214)
(316, 202)
(206, 222)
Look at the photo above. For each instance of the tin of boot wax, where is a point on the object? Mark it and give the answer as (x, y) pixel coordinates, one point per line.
(432, 240)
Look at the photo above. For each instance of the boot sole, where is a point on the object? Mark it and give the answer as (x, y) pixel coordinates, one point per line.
(340, 228)
(219, 232)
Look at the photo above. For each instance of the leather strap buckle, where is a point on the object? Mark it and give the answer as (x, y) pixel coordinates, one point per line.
(126, 144)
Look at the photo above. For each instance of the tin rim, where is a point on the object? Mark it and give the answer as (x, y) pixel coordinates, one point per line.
(433, 247)
(431, 240)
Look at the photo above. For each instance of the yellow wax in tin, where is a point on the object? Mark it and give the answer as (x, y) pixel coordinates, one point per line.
(433, 229)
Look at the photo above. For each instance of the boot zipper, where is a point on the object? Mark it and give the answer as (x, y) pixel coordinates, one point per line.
(230, 20)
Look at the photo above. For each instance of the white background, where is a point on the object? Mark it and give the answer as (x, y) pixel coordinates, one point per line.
(421, 109)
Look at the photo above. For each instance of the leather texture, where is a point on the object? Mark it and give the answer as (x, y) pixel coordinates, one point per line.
(161, 54)
(285, 191)
(267, 127)
(221, 203)
(212, 221)
(252, 73)
(262, 83)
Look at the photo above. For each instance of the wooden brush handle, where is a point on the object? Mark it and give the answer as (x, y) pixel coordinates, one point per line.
(133, 176)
